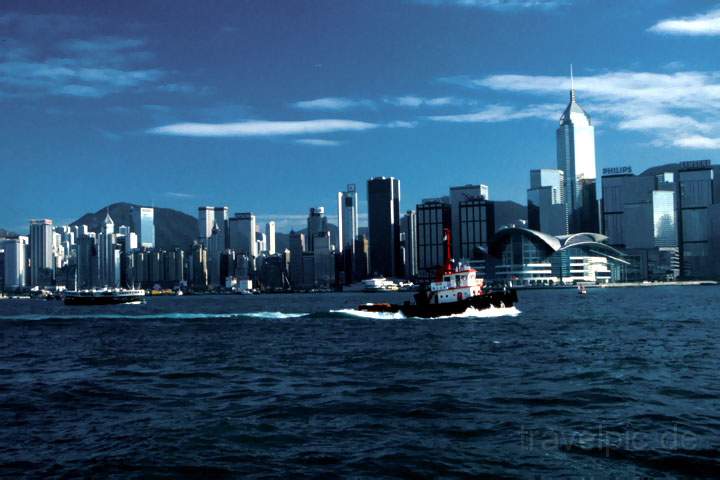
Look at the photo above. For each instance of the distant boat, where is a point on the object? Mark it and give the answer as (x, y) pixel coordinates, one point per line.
(582, 290)
(103, 296)
(380, 284)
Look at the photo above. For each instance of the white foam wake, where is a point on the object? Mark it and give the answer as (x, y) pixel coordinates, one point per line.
(471, 312)
(156, 316)
(275, 315)
(491, 312)
(372, 315)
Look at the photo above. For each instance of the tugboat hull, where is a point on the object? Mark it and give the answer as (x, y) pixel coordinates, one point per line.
(480, 302)
(499, 299)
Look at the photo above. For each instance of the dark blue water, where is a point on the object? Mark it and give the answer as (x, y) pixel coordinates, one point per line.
(622, 383)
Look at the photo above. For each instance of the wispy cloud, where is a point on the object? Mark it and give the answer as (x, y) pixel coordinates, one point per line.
(703, 24)
(41, 59)
(698, 141)
(413, 101)
(318, 142)
(500, 4)
(333, 103)
(260, 128)
(403, 101)
(676, 109)
(401, 124)
(502, 113)
(179, 195)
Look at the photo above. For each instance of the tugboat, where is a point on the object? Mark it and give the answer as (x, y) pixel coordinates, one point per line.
(453, 291)
(103, 296)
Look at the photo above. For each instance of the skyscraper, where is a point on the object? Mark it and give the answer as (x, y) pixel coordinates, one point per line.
(316, 224)
(458, 195)
(576, 158)
(433, 216)
(297, 247)
(41, 252)
(347, 218)
(409, 242)
(546, 201)
(270, 237)
(208, 217)
(108, 260)
(143, 219)
(241, 233)
(15, 264)
(384, 226)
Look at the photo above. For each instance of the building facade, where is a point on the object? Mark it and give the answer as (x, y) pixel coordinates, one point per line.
(546, 201)
(242, 234)
(144, 225)
(384, 226)
(42, 271)
(433, 216)
(576, 158)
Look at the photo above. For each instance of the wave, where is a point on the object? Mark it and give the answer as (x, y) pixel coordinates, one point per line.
(471, 312)
(155, 316)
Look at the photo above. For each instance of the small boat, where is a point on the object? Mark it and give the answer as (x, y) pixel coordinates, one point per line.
(453, 291)
(380, 284)
(103, 296)
(582, 290)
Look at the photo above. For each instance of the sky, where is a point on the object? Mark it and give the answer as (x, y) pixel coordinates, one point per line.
(274, 106)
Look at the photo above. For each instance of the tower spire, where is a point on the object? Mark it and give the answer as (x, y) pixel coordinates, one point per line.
(572, 84)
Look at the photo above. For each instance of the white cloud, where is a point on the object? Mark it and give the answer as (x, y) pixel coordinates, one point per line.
(260, 128)
(668, 107)
(333, 103)
(179, 195)
(698, 141)
(318, 142)
(502, 113)
(500, 4)
(401, 124)
(704, 24)
(415, 101)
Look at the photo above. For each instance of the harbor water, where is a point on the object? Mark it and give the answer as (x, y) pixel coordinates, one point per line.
(619, 383)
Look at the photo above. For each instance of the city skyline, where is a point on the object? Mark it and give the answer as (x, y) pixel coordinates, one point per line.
(130, 111)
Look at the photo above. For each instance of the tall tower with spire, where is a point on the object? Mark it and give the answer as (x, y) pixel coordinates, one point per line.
(576, 158)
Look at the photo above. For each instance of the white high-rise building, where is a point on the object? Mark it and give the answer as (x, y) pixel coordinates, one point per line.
(347, 218)
(143, 219)
(576, 158)
(316, 224)
(208, 217)
(15, 263)
(108, 259)
(41, 252)
(270, 237)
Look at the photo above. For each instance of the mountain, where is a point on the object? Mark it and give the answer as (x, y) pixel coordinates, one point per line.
(7, 234)
(173, 229)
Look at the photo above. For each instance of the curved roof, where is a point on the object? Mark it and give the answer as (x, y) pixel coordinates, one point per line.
(574, 113)
(573, 238)
(549, 240)
(605, 249)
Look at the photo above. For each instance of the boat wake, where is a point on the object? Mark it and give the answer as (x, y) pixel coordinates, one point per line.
(471, 312)
(264, 315)
(351, 312)
(157, 316)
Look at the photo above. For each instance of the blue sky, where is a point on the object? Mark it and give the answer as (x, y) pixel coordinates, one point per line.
(273, 106)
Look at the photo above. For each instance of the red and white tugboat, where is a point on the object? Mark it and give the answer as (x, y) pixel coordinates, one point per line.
(452, 292)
